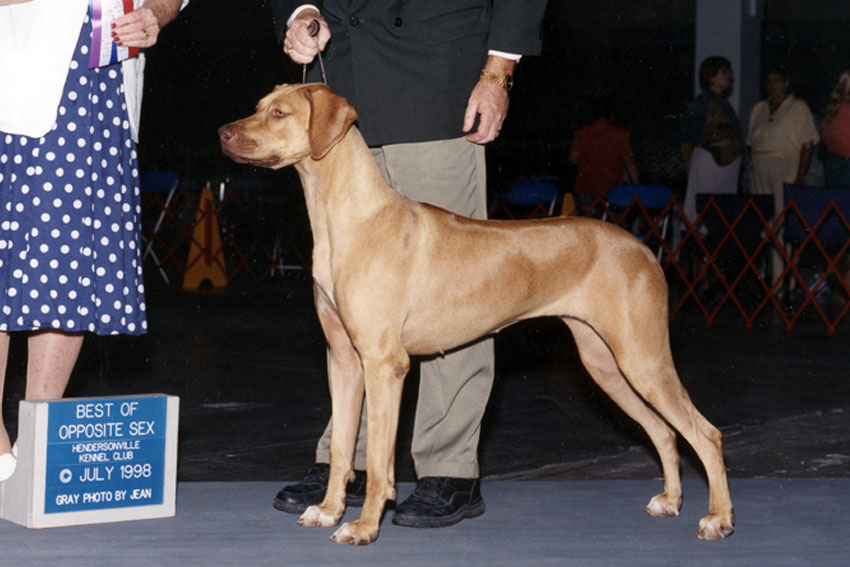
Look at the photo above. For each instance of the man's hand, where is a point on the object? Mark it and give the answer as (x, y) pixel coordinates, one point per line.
(299, 44)
(488, 102)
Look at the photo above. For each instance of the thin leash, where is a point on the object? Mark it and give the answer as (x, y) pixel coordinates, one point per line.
(314, 33)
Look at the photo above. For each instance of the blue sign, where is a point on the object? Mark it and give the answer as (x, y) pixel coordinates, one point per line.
(105, 453)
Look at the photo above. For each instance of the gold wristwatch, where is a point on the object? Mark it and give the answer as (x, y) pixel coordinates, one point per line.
(504, 81)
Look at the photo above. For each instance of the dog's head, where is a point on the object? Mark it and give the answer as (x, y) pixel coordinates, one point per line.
(291, 123)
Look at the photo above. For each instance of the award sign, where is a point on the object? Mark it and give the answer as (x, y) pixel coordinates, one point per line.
(94, 460)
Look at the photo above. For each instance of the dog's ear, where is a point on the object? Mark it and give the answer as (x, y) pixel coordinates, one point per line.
(330, 118)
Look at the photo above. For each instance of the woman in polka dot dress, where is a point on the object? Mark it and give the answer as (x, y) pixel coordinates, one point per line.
(70, 257)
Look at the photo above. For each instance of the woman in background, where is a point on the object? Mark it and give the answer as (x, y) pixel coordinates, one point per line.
(782, 135)
(711, 136)
(836, 134)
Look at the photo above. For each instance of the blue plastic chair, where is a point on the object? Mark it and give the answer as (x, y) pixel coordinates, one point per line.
(652, 197)
(813, 203)
(822, 210)
(531, 193)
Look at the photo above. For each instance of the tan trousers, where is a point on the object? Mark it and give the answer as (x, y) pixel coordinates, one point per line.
(453, 388)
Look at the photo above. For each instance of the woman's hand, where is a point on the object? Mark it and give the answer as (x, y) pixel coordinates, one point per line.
(140, 28)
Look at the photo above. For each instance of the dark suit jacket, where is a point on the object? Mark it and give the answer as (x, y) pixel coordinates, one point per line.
(408, 66)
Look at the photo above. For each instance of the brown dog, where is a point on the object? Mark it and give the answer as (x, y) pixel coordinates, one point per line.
(394, 277)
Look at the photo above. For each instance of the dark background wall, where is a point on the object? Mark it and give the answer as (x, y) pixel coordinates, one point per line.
(220, 57)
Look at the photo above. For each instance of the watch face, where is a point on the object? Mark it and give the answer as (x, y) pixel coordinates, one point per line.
(509, 82)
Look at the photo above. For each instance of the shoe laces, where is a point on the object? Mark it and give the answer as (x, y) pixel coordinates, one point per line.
(431, 490)
(318, 473)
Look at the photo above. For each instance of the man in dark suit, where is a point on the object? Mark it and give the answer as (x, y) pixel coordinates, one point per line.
(429, 80)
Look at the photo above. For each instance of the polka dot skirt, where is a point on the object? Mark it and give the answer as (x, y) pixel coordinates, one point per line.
(69, 211)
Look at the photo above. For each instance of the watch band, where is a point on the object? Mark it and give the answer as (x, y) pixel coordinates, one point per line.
(504, 81)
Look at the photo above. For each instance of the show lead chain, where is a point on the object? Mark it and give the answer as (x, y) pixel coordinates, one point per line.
(314, 32)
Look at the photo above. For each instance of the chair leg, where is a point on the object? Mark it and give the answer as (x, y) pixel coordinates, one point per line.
(148, 251)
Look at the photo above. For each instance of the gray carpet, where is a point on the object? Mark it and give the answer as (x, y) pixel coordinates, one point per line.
(780, 522)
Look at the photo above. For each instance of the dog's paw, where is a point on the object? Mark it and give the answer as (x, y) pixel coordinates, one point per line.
(715, 526)
(317, 517)
(355, 533)
(663, 505)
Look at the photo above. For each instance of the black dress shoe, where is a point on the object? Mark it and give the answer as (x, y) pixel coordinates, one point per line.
(440, 501)
(295, 498)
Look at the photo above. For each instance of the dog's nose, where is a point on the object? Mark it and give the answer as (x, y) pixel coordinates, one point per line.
(226, 133)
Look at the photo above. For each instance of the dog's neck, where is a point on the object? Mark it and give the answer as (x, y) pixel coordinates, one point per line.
(345, 179)
(343, 189)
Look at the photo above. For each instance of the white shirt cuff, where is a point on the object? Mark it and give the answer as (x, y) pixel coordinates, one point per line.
(511, 56)
(298, 10)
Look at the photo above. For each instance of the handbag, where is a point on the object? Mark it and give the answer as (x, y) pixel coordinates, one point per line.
(718, 135)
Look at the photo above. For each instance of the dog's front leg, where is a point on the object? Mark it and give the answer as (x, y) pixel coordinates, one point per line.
(345, 376)
(384, 381)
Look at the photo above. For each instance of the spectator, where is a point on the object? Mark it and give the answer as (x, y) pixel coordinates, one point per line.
(70, 258)
(781, 137)
(711, 136)
(601, 151)
(836, 134)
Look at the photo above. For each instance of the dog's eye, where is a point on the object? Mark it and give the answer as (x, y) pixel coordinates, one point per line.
(278, 113)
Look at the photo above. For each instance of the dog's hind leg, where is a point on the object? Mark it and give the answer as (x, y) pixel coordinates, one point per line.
(384, 376)
(648, 366)
(602, 367)
(345, 376)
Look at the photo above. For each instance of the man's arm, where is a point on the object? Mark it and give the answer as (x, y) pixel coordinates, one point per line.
(514, 29)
